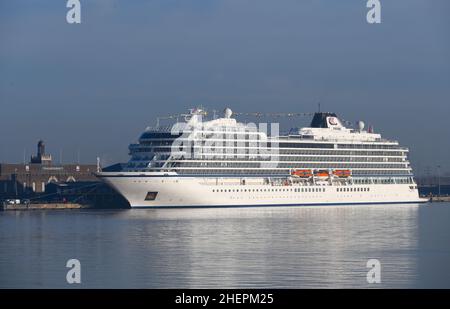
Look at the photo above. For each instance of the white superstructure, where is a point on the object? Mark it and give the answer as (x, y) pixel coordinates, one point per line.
(222, 162)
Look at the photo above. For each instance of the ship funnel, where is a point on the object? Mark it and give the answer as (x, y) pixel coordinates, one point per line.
(325, 120)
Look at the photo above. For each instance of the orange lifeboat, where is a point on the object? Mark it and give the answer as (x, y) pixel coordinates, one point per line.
(342, 173)
(301, 173)
(321, 173)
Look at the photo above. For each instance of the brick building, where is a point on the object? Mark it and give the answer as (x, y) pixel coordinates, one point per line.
(33, 177)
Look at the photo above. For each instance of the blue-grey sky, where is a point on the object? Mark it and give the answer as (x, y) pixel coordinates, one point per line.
(92, 88)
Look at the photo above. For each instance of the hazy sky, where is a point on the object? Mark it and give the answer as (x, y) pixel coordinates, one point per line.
(95, 86)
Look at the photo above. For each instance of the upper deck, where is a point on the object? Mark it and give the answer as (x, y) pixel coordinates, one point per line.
(324, 128)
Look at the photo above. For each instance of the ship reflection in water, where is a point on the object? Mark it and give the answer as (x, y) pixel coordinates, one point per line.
(296, 247)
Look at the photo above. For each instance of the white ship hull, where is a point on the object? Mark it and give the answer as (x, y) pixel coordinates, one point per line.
(181, 191)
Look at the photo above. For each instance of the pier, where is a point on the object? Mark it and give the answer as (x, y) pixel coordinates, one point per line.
(41, 206)
(442, 198)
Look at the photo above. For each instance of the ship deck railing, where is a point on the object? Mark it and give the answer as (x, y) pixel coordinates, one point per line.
(300, 182)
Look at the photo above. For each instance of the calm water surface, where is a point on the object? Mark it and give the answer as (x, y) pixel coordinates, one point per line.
(285, 247)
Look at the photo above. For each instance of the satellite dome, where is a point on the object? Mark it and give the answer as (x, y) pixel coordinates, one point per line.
(227, 112)
(361, 125)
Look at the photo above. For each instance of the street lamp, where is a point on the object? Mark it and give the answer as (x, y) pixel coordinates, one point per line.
(15, 180)
(439, 180)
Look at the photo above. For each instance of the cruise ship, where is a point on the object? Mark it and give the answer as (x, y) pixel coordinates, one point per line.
(221, 162)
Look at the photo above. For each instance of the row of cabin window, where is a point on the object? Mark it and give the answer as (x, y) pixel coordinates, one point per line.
(255, 136)
(272, 190)
(150, 147)
(353, 189)
(213, 171)
(290, 165)
(230, 157)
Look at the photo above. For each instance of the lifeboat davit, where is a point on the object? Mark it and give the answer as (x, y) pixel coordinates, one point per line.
(342, 173)
(321, 174)
(301, 173)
